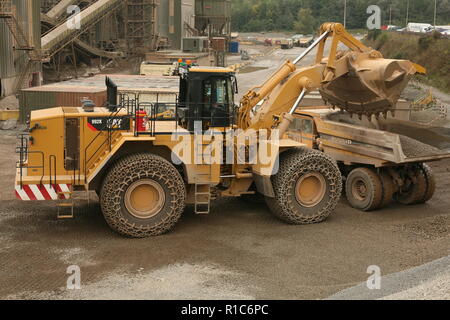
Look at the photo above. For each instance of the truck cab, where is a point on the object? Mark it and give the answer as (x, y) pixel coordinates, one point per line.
(303, 129)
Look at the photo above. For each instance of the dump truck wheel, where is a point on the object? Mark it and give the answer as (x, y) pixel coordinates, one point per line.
(431, 183)
(364, 189)
(143, 195)
(415, 192)
(388, 189)
(307, 187)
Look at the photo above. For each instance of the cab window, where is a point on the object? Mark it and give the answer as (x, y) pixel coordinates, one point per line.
(307, 126)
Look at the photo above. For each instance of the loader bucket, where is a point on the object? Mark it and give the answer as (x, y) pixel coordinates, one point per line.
(371, 87)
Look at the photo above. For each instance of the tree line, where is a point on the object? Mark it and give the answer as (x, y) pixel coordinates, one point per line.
(305, 16)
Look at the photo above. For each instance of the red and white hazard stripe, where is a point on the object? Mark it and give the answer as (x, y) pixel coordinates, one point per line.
(42, 192)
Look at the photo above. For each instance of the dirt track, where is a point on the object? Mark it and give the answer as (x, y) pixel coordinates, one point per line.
(240, 251)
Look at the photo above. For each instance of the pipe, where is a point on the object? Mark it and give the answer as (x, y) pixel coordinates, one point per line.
(298, 101)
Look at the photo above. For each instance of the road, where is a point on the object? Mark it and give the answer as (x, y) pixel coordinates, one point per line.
(239, 251)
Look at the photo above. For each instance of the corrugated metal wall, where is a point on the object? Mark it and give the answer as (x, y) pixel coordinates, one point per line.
(13, 61)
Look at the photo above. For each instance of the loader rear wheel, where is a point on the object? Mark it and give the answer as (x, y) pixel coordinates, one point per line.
(143, 195)
(388, 189)
(364, 189)
(431, 183)
(414, 191)
(307, 187)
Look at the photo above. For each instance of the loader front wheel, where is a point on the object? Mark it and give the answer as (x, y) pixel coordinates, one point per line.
(307, 187)
(143, 195)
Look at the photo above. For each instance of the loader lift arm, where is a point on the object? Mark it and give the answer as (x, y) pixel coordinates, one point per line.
(359, 81)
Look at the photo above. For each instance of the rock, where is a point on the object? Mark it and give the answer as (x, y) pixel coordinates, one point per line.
(8, 124)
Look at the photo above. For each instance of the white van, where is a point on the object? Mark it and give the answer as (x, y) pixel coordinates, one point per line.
(419, 27)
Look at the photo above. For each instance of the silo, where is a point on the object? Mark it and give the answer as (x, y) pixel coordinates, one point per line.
(213, 17)
(174, 16)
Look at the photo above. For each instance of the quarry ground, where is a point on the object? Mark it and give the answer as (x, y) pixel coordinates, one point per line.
(239, 251)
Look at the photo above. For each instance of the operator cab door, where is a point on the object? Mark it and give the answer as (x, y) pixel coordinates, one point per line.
(218, 102)
(303, 130)
(206, 97)
(72, 144)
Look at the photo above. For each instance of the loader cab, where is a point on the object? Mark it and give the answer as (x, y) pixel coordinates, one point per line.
(207, 95)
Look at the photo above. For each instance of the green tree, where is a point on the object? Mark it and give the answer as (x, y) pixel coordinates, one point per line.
(306, 24)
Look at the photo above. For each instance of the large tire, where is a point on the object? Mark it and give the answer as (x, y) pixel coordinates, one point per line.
(307, 187)
(415, 192)
(431, 183)
(143, 195)
(388, 189)
(364, 189)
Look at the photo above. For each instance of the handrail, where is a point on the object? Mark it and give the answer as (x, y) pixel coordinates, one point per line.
(50, 158)
(132, 107)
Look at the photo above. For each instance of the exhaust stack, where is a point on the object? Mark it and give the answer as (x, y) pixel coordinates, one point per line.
(111, 95)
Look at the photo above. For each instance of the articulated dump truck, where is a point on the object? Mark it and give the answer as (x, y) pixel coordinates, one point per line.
(147, 161)
(381, 159)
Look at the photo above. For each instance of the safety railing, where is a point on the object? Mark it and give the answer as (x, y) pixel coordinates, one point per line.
(211, 116)
(24, 152)
(147, 118)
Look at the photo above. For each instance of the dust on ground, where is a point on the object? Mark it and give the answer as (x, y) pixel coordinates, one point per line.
(239, 251)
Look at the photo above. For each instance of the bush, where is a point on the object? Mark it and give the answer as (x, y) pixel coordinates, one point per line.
(425, 43)
(382, 41)
(373, 34)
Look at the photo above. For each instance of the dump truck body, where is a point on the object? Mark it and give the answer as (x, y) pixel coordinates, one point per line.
(382, 142)
(305, 41)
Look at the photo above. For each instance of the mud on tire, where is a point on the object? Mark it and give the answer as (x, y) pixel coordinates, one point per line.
(388, 189)
(415, 191)
(128, 171)
(431, 183)
(298, 163)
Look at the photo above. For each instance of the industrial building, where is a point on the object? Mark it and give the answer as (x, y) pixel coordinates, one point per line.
(37, 33)
(20, 37)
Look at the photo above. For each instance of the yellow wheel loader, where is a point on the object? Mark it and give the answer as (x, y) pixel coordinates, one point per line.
(146, 175)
